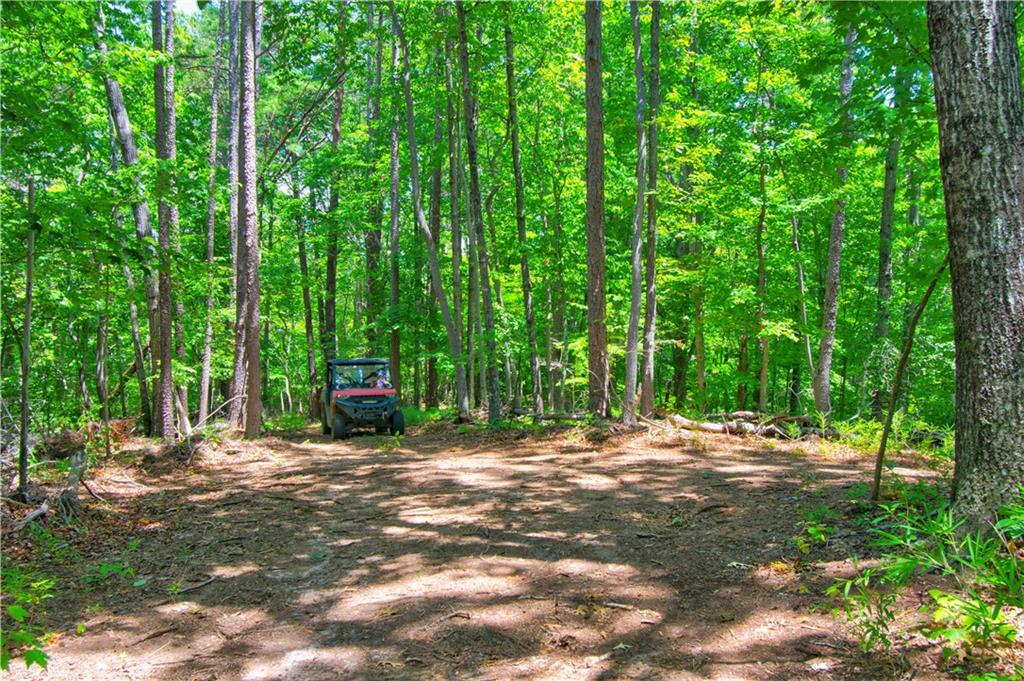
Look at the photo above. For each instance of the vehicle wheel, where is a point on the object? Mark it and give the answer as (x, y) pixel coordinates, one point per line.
(398, 423)
(324, 424)
(339, 429)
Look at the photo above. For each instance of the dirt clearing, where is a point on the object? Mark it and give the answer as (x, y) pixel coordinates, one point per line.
(480, 555)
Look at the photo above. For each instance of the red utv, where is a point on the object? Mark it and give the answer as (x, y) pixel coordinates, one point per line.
(359, 394)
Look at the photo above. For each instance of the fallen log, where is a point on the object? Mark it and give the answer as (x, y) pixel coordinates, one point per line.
(738, 426)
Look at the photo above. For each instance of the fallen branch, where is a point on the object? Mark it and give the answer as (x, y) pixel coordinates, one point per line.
(43, 509)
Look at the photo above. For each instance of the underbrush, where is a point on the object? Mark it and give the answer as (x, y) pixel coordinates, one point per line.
(907, 433)
(21, 633)
(976, 617)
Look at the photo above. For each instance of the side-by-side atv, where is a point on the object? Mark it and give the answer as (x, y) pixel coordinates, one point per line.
(359, 394)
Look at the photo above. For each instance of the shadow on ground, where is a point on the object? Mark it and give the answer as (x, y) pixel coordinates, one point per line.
(477, 556)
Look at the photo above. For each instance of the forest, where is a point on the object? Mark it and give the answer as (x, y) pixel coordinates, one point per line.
(783, 238)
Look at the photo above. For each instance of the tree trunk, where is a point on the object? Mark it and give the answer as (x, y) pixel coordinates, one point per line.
(597, 332)
(395, 347)
(524, 259)
(315, 406)
(651, 246)
(250, 238)
(133, 315)
(233, 17)
(167, 216)
(211, 206)
(830, 304)
(762, 285)
(140, 209)
(26, 344)
(476, 218)
(454, 192)
(698, 351)
(101, 360)
(981, 153)
(454, 341)
(330, 332)
(372, 238)
(636, 242)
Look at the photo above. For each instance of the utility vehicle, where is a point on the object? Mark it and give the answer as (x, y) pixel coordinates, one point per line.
(359, 394)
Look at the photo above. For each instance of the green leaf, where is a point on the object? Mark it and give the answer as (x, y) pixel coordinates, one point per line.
(17, 612)
(141, 581)
(37, 657)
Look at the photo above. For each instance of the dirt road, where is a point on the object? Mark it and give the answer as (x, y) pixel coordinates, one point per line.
(453, 555)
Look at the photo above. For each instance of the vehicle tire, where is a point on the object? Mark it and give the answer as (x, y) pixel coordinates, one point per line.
(397, 423)
(323, 422)
(339, 429)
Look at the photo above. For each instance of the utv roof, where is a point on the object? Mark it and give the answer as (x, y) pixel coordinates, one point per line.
(357, 360)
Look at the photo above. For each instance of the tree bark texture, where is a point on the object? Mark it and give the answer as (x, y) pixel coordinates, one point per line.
(597, 331)
(981, 153)
(211, 206)
(651, 244)
(476, 219)
(454, 341)
(636, 241)
(830, 304)
(524, 258)
(249, 234)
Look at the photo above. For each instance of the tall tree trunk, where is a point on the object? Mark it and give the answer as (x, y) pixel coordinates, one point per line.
(524, 258)
(597, 332)
(167, 213)
(330, 332)
(249, 234)
(476, 218)
(315, 406)
(395, 347)
(233, 16)
(430, 369)
(830, 304)
(133, 315)
(140, 208)
(314, 399)
(699, 351)
(762, 285)
(980, 110)
(211, 206)
(454, 341)
(744, 371)
(102, 353)
(26, 343)
(372, 238)
(454, 194)
(651, 245)
(636, 242)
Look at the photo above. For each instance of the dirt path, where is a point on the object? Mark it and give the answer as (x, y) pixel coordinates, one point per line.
(471, 556)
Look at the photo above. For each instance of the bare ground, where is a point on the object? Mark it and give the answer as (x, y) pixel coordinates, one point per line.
(483, 555)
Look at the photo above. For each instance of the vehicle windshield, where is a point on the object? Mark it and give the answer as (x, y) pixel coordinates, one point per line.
(361, 376)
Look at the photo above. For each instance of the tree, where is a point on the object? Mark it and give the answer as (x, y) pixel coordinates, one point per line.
(476, 219)
(823, 374)
(167, 215)
(454, 341)
(211, 211)
(26, 344)
(249, 238)
(597, 332)
(981, 152)
(524, 258)
(651, 244)
(629, 396)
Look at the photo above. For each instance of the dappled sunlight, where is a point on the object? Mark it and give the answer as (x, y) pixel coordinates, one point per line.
(467, 558)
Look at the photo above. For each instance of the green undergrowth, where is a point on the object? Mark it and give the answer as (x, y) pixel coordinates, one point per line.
(974, 615)
(21, 632)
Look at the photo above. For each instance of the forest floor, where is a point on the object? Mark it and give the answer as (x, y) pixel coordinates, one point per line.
(465, 554)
